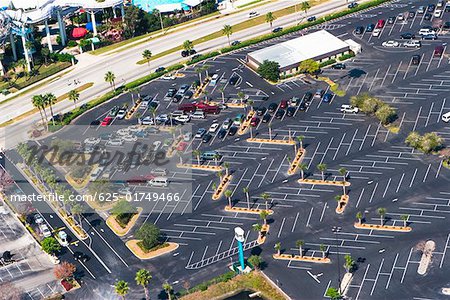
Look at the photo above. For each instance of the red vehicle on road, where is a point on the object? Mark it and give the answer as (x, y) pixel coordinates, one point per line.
(106, 121)
(254, 121)
(182, 146)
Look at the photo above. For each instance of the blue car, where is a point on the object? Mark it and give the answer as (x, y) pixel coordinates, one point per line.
(370, 27)
(327, 97)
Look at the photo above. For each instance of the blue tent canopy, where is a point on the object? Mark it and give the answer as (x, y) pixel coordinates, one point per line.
(89, 26)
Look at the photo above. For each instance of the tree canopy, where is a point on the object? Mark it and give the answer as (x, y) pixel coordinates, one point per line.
(150, 235)
(309, 66)
(269, 70)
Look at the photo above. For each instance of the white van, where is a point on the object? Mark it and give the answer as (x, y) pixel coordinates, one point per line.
(159, 181)
(96, 173)
(426, 31)
(198, 115)
(213, 81)
(446, 117)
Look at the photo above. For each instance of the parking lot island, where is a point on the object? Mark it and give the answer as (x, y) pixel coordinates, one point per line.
(324, 182)
(342, 203)
(119, 230)
(221, 187)
(384, 227)
(271, 141)
(296, 162)
(141, 254)
(200, 167)
(246, 210)
(246, 124)
(311, 259)
(425, 260)
(263, 233)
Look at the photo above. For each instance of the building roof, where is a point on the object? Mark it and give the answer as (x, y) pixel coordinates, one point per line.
(309, 46)
(192, 3)
(170, 7)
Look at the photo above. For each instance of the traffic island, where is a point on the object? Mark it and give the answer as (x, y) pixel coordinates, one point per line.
(264, 232)
(117, 228)
(222, 187)
(70, 284)
(140, 253)
(297, 160)
(200, 167)
(324, 182)
(311, 259)
(426, 257)
(133, 109)
(246, 124)
(345, 283)
(245, 210)
(384, 227)
(271, 141)
(201, 88)
(79, 183)
(342, 203)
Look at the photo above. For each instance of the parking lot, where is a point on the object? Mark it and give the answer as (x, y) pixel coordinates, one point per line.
(383, 171)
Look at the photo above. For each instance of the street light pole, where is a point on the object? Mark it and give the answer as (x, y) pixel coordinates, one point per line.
(335, 230)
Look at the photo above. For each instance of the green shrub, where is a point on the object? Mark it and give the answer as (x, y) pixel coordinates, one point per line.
(346, 56)
(327, 63)
(203, 57)
(72, 43)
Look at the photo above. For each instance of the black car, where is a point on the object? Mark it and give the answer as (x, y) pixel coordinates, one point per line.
(233, 80)
(370, 27)
(266, 118)
(235, 43)
(261, 110)
(188, 94)
(184, 53)
(391, 20)
(273, 107)
(302, 106)
(160, 69)
(446, 25)
(206, 138)
(79, 256)
(307, 97)
(177, 98)
(171, 92)
(427, 17)
(431, 7)
(352, 5)
(95, 123)
(429, 37)
(222, 133)
(291, 111)
(415, 60)
(411, 14)
(407, 36)
(359, 30)
(192, 52)
(279, 114)
(311, 19)
(233, 130)
(338, 66)
(278, 29)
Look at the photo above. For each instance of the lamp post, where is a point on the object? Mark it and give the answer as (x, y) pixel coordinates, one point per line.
(335, 230)
(239, 235)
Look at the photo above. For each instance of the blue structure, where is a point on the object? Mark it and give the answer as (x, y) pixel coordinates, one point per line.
(239, 235)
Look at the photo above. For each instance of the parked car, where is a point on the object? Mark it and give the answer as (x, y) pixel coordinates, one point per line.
(307, 97)
(222, 133)
(421, 10)
(446, 117)
(206, 138)
(415, 60)
(391, 20)
(338, 66)
(233, 130)
(437, 13)
(376, 32)
(319, 93)
(438, 50)
(38, 219)
(311, 19)
(121, 113)
(44, 230)
(227, 124)
(183, 118)
(106, 121)
(346, 108)
(411, 14)
(407, 36)
(113, 112)
(62, 238)
(254, 121)
(280, 114)
(214, 127)
(272, 107)
(234, 79)
(266, 118)
(429, 37)
(283, 104)
(390, 44)
(412, 44)
(380, 23)
(431, 7)
(327, 97)
(359, 30)
(400, 17)
(261, 111)
(427, 17)
(200, 133)
(291, 111)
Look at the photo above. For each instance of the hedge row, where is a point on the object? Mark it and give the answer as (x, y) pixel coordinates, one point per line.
(327, 63)
(346, 56)
(203, 57)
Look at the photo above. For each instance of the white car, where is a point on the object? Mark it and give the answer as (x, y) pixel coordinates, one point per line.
(114, 142)
(129, 138)
(401, 17)
(92, 141)
(390, 44)
(156, 145)
(38, 219)
(123, 131)
(412, 44)
(121, 113)
(183, 118)
(147, 121)
(213, 128)
(62, 238)
(253, 14)
(446, 117)
(376, 32)
(345, 108)
(438, 13)
(227, 124)
(168, 76)
(44, 230)
(187, 136)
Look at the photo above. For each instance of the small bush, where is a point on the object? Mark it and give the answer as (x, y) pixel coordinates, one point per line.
(203, 57)
(327, 63)
(346, 56)
(72, 43)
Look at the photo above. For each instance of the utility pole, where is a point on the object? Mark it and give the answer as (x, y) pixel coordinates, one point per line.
(335, 230)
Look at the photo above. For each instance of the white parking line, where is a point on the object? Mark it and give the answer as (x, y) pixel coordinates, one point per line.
(412, 179)
(309, 217)
(295, 222)
(281, 227)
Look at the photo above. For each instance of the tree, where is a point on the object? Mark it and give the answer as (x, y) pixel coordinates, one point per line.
(122, 207)
(256, 261)
(74, 96)
(322, 168)
(323, 249)
(269, 70)
(333, 293)
(5, 180)
(9, 291)
(266, 198)
(263, 216)
(309, 66)
(50, 100)
(277, 248)
(386, 114)
(257, 228)
(349, 263)
(150, 235)
(188, 46)
(300, 139)
(197, 153)
(99, 187)
(45, 52)
(303, 167)
(247, 196)
(111, 79)
(241, 96)
(414, 140)
(143, 278)
(227, 31)
(64, 270)
(226, 166)
(404, 219)
(304, 7)
(77, 210)
(300, 244)
(431, 142)
(228, 194)
(147, 54)
(382, 212)
(38, 102)
(359, 216)
(370, 106)
(50, 245)
(270, 18)
(121, 288)
(168, 289)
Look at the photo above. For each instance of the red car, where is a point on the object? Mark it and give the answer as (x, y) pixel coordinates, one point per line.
(254, 122)
(380, 24)
(106, 121)
(182, 146)
(283, 104)
(202, 105)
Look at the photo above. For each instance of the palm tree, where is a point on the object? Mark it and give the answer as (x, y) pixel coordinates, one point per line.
(405, 219)
(359, 216)
(323, 249)
(38, 102)
(220, 174)
(300, 139)
(188, 46)
(74, 96)
(222, 91)
(241, 96)
(147, 54)
(121, 287)
(110, 78)
(304, 7)
(299, 244)
(214, 186)
(245, 190)
(303, 168)
(228, 194)
(349, 262)
(270, 18)
(266, 198)
(143, 278)
(322, 168)
(278, 248)
(263, 216)
(257, 228)
(77, 210)
(153, 110)
(227, 30)
(168, 289)
(197, 153)
(382, 212)
(227, 167)
(50, 100)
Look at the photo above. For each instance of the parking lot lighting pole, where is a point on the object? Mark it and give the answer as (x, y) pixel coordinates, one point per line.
(239, 235)
(335, 230)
